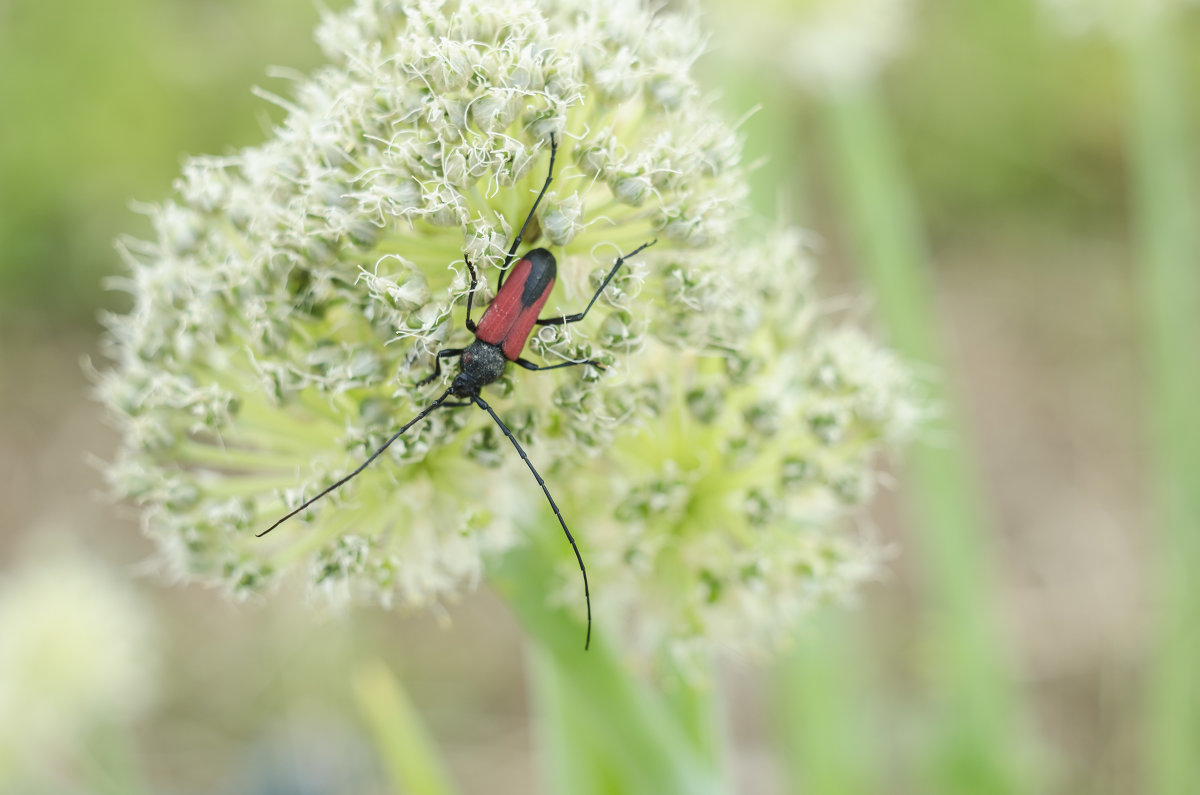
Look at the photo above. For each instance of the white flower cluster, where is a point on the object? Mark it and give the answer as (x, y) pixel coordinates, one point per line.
(296, 291)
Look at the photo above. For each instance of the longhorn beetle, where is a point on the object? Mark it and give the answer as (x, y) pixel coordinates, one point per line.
(500, 337)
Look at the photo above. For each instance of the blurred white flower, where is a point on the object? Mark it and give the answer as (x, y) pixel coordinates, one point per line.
(77, 654)
(825, 45)
(1115, 18)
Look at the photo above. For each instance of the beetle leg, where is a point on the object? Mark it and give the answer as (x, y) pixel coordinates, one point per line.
(471, 293)
(528, 365)
(445, 353)
(578, 316)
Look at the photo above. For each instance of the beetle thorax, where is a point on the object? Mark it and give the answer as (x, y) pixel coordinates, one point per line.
(480, 364)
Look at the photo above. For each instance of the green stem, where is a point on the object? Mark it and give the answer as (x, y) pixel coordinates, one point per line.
(404, 745)
(824, 711)
(696, 706)
(567, 738)
(111, 767)
(630, 732)
(233, 458)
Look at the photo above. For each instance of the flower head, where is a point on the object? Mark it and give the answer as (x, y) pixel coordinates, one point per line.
(296, 292)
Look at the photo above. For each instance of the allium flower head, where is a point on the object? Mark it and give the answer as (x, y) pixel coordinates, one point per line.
(296, 291)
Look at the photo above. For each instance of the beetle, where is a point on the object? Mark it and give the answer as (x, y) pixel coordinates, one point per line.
(500, 336)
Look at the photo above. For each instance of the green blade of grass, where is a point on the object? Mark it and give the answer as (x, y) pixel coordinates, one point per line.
(1167, 218)
(978, 740)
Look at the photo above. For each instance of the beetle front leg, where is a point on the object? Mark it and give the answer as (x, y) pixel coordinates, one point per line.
(470, 294)
(445, 353)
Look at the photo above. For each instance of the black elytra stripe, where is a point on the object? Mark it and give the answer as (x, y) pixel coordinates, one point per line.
(542, 270)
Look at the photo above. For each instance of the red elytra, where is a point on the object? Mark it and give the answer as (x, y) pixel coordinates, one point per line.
(511, 316)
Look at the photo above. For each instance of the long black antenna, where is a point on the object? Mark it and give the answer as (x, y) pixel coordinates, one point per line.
(512, 251)
(424, 413)
(586, 595)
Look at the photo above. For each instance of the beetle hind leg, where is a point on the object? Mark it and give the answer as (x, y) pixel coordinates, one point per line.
(528, 365)
(563, 320)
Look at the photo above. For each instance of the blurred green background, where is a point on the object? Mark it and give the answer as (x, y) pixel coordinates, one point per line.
(1018, 207)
